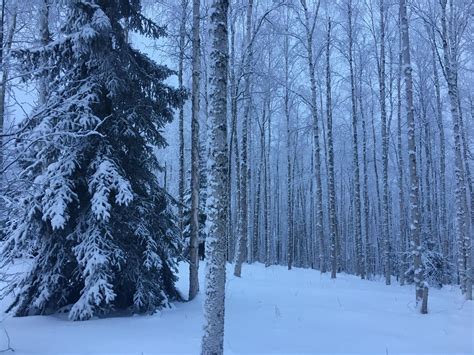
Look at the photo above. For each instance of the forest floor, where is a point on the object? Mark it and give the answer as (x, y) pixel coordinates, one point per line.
(269, 310)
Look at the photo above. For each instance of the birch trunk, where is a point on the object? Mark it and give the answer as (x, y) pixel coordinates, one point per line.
(195, 159)
(401, 176)
(331, 182)
(360, 265)
(267, 167)
(462, 233)
(310, 27)
(377, 210)
(241, 251)
(181, 45)
(368, 245)
(383, 113)
(368, 262)
(258, 193)
(414, 182)
(288, 150)
(443, 230)
(468, 242)
(214, 304)
(234, 155)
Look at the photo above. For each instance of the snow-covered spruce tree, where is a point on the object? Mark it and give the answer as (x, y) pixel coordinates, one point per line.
(97, 223)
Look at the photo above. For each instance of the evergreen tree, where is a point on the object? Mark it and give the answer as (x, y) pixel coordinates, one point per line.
(98, 225)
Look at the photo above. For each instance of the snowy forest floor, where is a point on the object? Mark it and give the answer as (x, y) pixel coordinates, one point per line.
(269, 310)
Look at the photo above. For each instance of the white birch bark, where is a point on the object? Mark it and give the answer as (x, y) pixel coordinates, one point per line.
(214, 304)
(464, 240)
(310, 25)
(383, 113)
(195, 159)
(234, 155)
(360, 265)
(401, 175)
(367, 238)
(267, 180)
(241, 250)
(289, 230)
(181, 49)
(330, 152)
(443, 229)
(415, 241)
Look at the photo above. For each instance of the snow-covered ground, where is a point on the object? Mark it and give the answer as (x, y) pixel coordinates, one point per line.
(271, 310)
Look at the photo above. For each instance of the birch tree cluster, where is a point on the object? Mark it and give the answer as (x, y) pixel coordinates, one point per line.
(349, 136)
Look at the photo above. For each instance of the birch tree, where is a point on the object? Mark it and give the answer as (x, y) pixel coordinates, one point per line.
(360, 270)
(401, 175)
(195, 159)
(310, 25)
(289, 182)
(243, 212)
(214, 304)
(443, 229)
(416, 247)
(462, 222)
(331, 182)
(181, 55)
(383, 113)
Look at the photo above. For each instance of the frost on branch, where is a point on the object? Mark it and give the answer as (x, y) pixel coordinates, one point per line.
(105, 180)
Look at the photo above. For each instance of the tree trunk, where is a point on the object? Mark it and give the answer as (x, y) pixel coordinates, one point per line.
(383, 113)
(258, 193)
(401, 176)
(443, 229)
(214, 304)
(288, 149)
(5, 50)
(45, 38)
(195, 159)
(310, 26)
(182, 37)
(241, 251)
(377, 211)
(234, 155)
(360, 265)
(267, 179)
(414, 182)
(2, 89)
(368, 262)
(331, 182)
(463, 237)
